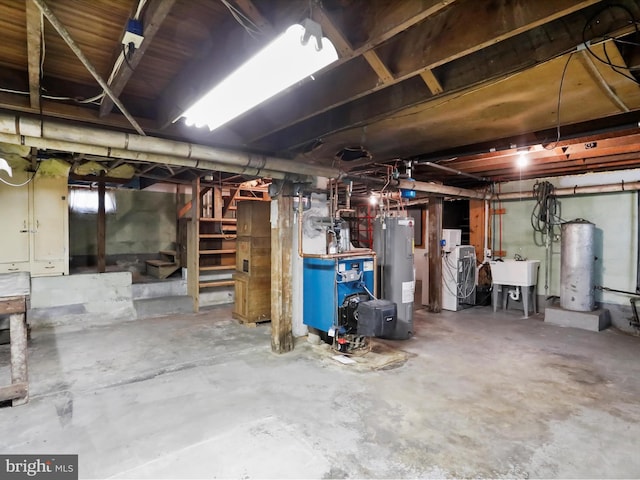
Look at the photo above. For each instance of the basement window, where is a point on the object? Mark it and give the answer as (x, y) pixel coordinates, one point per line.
(84, 200)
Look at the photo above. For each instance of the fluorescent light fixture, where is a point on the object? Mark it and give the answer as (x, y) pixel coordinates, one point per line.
(285, 61)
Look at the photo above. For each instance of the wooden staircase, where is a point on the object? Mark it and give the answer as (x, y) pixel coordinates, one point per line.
(166, 265)
(211, 248)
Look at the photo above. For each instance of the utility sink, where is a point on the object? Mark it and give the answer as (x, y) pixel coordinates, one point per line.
(521, 273)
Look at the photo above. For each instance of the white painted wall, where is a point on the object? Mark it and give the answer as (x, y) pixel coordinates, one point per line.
(615, 216)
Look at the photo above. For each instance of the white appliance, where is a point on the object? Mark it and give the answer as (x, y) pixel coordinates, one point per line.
(459, 278)
(451, 237)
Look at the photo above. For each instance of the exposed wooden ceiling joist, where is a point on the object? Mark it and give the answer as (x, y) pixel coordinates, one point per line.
(34, 51)
(197, 77)
(437, 40)
(155, 13)
(477, 70)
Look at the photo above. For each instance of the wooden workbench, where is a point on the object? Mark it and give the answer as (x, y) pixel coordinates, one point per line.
(15, 289)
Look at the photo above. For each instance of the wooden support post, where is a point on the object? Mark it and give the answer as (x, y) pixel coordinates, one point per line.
(102, 221)
(281, 287)
(476, 227)
(435, 254)
(193, 247)
(19, 373)
(216, 197)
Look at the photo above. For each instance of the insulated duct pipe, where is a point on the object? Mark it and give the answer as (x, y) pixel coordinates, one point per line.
(120, 142)
(21, 129)
(147, 157)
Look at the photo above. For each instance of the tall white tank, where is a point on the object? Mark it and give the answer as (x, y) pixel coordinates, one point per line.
(577, 266)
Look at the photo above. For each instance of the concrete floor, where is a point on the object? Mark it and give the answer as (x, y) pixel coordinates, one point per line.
(199, 396)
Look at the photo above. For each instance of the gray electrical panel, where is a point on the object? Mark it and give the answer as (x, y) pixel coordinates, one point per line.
(393, 243)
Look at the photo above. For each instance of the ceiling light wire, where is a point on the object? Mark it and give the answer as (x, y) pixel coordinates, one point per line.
(605, 36)
(559, 103)
(245, 22)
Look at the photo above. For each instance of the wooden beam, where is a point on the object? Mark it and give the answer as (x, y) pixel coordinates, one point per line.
(64, 33)
(19, 366)
(476, 226)
(434, 212)
(204, 71)
(378, 66)
(155, 13)
(476, 70)
(193, 246)
(34, 51)
(10, 392)
(437, 40)
(210, 65)
(9, 305)
(281, 287)
(102, 224)
(333, 33)
(431, 81)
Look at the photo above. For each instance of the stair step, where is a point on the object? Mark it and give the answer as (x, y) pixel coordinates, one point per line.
(221, 220)
(161, 268)
(216, 283)
(251, 198)
(160, 263)
(226, 236)
(217, 268)
(168, 253)
(217, 252)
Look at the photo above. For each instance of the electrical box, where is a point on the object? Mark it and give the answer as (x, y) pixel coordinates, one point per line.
(451, 238)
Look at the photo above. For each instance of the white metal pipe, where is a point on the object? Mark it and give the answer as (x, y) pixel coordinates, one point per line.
(568, 191)
(120, 141)
(143, 157)
(224, 159)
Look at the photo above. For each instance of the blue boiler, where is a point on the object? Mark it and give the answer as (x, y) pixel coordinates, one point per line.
(327, 282)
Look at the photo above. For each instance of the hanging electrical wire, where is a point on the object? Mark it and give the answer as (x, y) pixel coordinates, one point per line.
(545, 215)
(604, 36)
(245, 22)
(562, 78)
